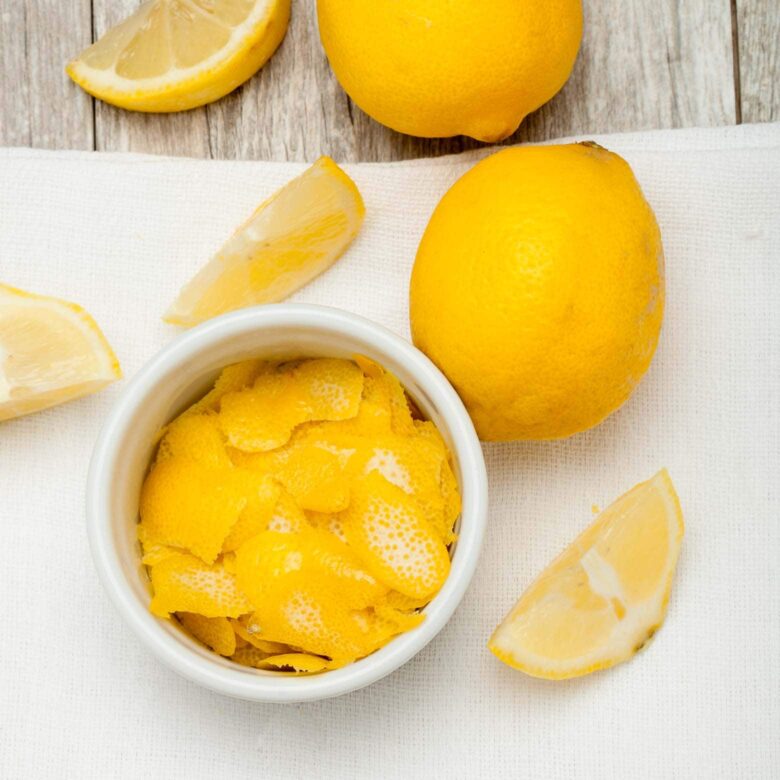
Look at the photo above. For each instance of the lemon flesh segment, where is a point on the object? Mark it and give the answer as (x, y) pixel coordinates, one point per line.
(605, 596)
(51, 351)
(173, 55)
(289, 240)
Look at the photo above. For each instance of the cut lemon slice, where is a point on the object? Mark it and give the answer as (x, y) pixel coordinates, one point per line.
(292, 237)
(171, 55)
(605, 596)
(51, 351)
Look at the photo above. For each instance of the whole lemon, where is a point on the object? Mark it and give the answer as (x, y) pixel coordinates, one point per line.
(538, 289)
(436, 68)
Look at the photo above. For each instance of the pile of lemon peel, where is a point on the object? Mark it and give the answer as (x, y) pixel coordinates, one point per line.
(298, 516)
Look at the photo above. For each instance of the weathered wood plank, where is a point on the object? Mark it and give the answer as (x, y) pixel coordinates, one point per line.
(39, 105)
(644, 64)
(184, 134)
(293, 109)
(758, 25)
(648, 63)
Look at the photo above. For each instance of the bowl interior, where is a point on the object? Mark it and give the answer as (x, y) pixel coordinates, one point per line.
(170, 383)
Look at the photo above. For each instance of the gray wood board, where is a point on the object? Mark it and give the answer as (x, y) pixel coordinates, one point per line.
(644, 64)
(758, 41)
(39, 105)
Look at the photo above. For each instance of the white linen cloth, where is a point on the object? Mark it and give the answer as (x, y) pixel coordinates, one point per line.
(80, 697)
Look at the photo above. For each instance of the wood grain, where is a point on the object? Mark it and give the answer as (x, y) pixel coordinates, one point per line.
(759, 59)
(644, 64)
(39, 105)
(648, 63)
(293, 109)
(183, 134)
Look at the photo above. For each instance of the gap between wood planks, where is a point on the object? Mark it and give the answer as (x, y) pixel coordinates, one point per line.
(93, 37)
(735, 57)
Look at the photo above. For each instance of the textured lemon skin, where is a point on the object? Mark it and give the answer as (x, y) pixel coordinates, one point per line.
(434, 68)
(538, 289)
(204, 86)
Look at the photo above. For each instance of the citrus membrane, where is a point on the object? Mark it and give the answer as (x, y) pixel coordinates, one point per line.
(604, 598)
(51, 351)
(299, 515)
(291, 238)
(173, 55)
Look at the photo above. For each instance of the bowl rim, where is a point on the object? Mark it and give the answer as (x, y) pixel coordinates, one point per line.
(275, 688)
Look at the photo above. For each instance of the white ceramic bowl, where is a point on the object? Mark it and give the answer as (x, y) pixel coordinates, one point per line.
(180, 374)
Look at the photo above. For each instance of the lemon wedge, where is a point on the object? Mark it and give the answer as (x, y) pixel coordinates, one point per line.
(172, 55)
(51, 351)
(605, 596)
(292, 237)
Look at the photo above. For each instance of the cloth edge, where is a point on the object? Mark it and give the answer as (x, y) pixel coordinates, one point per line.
(728, 137)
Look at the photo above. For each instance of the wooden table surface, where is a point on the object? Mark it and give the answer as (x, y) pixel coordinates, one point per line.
(644, 64)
